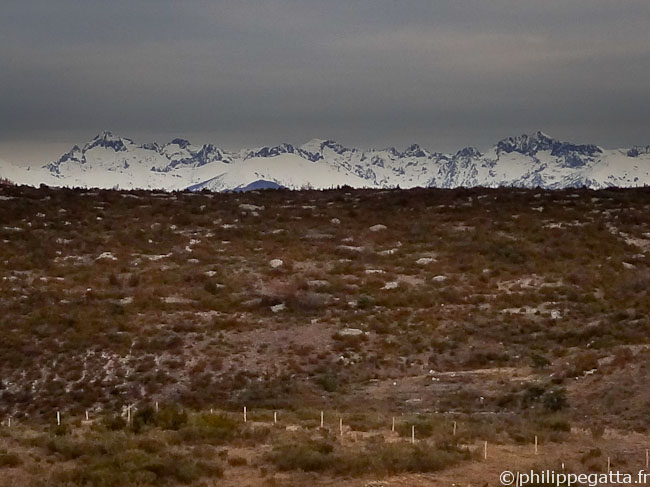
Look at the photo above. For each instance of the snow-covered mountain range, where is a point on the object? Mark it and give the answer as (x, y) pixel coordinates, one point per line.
(535, 160)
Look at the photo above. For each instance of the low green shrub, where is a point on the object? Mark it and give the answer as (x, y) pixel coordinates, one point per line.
(377, 457)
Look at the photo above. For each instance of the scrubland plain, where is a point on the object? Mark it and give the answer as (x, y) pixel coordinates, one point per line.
(513, 314)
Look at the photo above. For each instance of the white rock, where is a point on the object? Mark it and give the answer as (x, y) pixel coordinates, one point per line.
(391, 285)
(350, 332)
(247, 207)
(335, 221)
(275, 263)
(106, 256)
(318, 283)
(425, 260)
(350, 248)
(439, 279)
(377, 228)
(278, 307)
(176, 300)
(154, 258)
(375, 271)
(388, 252)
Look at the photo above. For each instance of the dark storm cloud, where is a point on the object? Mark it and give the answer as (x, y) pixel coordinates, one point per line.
(368, 72)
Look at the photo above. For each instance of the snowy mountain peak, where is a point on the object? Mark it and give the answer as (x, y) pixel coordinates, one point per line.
(312, 150)
(74, 155)
(528, 160)
(151, 146)
(638, 150)
(414, 150)
(108, 137)
(469, 152)
(335, 146)
(528, 144)
(316, 144)
(565, 153)
(209, 153)
(272, 151)
(108, 140)
(182, 143)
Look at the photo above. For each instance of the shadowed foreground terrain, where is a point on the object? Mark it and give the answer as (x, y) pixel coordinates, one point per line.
(514, 313)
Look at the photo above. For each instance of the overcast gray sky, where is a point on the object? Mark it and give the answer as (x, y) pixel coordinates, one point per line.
(368, 73)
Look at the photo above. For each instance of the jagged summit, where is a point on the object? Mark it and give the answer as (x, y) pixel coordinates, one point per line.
(527, 160)
(108, 141)
(469, 152)
(531, 144)
(335, 146)
(272, 151)
(106, 135)
(414, 150)
(638, 150)
(182, 143)
(320, 149)
(527, 143)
